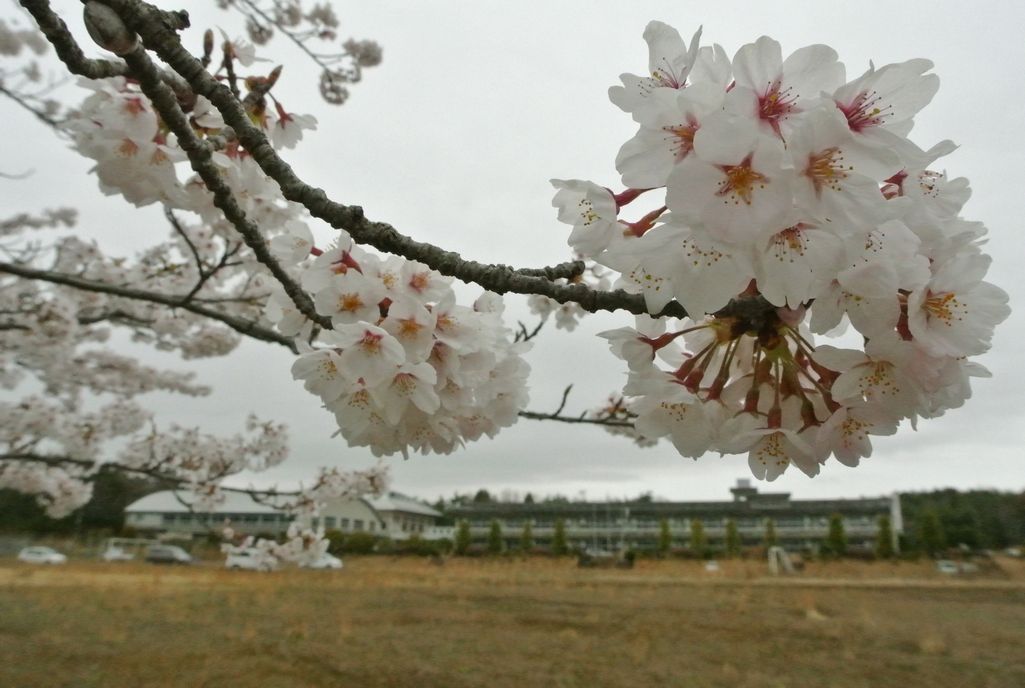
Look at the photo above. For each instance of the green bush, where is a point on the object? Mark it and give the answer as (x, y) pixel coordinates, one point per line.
(359, 543)
(559, 546)
(495, 543)
(836, 541)
(335, 541)
(463, 539)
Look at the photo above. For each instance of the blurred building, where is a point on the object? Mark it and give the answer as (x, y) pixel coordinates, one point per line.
(799, 524)
(391, 515)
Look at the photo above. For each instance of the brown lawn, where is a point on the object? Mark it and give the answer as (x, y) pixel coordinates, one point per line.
(407, 622)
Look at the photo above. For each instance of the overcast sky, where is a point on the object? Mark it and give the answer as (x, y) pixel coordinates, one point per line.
(453, 140)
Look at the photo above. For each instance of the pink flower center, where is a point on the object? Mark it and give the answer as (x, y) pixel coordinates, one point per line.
(826, 169)
(740, 182)
(944, 307)
(865, 110)
(371, 343)
(681, 138)
(776, 104)
(790, 240)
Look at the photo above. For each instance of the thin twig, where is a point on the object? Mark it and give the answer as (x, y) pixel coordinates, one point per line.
(156, 474)
(534, 415)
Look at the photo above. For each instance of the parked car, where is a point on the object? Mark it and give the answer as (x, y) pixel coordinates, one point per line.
(41, 555)
(116, 554)
(250, 559)
(325, 561)
(167, 554)
(948, 567)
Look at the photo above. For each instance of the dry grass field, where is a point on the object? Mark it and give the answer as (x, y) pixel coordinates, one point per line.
(407, 622)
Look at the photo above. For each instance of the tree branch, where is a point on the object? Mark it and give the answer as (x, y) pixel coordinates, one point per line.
(146, 20)
(39, 114)
(166, 102)
(534, 415)
(163, 478)
(248, 328)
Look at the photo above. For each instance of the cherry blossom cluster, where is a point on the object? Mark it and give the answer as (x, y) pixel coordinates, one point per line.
(790, 203)
(56, 321)
(406, 366)
(137, 155)
(403, 366)
(304, 544)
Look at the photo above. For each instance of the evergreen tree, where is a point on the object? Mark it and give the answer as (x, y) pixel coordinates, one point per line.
(732, 539)
(559, 546)
(527, 537)
(698, 543)
(884, 539)
(528, 499)
(994, 532)
(482, 497)
(770, 533)
(961, 527)
(930, 533)
(665, 538)
(495, 544)
(462, 543)
(836, 541)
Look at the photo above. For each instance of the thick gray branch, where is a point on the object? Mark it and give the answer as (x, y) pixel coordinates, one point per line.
(148, 22)
(200, 156)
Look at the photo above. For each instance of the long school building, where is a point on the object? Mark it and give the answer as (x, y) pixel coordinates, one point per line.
(799, 524)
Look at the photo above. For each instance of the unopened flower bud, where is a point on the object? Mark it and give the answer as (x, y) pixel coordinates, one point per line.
(108, 29)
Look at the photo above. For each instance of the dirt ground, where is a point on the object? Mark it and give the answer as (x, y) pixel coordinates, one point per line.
(407, 622)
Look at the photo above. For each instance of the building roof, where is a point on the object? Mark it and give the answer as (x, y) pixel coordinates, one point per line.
(170, 501)
(394, 501)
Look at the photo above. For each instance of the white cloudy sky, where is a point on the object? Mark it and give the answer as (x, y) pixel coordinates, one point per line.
(453, 140)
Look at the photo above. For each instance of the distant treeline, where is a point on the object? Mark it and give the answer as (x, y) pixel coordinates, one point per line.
(980, 519)
(112, 492)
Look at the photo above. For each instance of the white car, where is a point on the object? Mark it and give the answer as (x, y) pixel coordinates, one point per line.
(324, 561)
(41, 555)
(116, 554)
(250, 559)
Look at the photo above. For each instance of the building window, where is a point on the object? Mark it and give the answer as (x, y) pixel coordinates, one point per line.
(345, 524)
(269, 518)
(252, 518)
(316, 523)
(357, 524)
(168, 518)
(330, 522)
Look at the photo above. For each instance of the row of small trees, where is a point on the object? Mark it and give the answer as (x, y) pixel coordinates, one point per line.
(834, 545)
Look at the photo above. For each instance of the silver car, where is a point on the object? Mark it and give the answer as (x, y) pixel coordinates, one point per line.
(167, 554)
